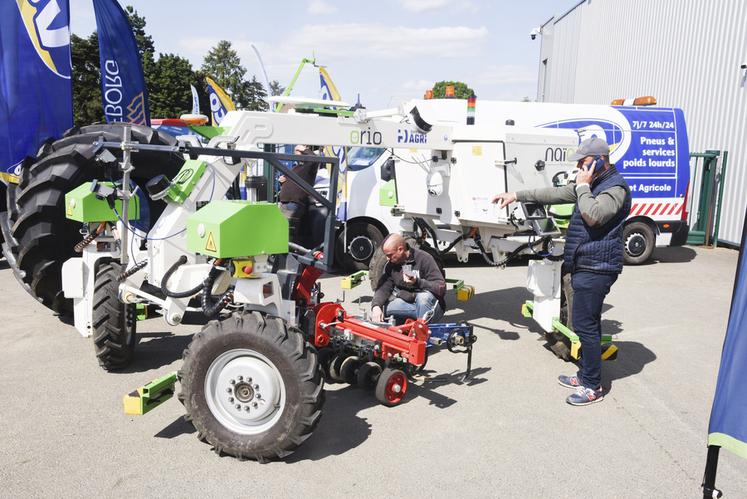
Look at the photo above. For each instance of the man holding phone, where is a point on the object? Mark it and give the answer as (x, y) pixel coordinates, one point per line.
(593, 256)
(411, 287)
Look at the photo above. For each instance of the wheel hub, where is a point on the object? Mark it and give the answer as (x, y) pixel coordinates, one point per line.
(244, 391)
(635, 244)
(361, 248)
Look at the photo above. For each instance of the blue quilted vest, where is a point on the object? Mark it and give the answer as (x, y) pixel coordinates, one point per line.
(598, 249)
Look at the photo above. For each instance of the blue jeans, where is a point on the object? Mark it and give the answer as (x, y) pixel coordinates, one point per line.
(589, 291)
(424, 302)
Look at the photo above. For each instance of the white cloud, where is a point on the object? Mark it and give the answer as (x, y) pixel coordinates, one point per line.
(361, 41)
(417, 85)
(426, 5)
(505, 74)
(320, 8)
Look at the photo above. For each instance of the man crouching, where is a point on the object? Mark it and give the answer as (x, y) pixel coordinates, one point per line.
(411, 286)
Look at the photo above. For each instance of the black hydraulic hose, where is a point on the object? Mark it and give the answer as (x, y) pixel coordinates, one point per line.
(451, 246)
(178, 294)
(210, 308)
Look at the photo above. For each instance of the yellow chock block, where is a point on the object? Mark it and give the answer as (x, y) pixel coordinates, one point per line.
(353, 280)
(576, 350)
(150, 396)
(609, 352)
(465, 293)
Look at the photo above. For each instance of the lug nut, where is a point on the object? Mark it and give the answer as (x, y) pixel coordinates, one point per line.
(248, 379)
(258, 396)
(241, 378)
(228, 389)
(238, 406)
(255, 405)
(246, 408)
(233, 381)
(256, 387)
(230, 400)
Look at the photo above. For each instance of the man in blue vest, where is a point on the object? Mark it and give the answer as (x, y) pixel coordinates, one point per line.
(593, 252)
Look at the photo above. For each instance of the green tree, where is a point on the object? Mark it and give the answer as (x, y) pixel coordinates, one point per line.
(276, 88)
(254, 94)
(168, 83)
(86, 77)
(223, 64)
(461, 90)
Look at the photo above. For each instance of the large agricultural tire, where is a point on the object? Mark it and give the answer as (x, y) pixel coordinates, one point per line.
(639, 240)
(252, 387)
(114, 322)
(378, 261)
(44, 236)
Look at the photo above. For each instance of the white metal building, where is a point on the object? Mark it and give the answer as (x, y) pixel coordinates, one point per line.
(689, 54)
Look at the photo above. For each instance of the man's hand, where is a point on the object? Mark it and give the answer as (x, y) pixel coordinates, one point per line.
(504, 199)
(584, 174)
(377, 314)
(409, 279)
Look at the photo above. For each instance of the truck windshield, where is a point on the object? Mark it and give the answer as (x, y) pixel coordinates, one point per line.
(363, 157)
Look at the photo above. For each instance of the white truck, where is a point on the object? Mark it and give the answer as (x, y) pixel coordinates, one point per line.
(648, 145)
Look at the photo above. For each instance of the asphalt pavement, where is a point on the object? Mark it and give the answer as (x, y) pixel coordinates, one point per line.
(506, 433)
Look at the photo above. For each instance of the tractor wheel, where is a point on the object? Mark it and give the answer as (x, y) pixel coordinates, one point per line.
(114, 322)
(391, 387)
(640, 241)
(367, 375)
(363, 239)
(378, 261)
(44, 236)
(251, 386)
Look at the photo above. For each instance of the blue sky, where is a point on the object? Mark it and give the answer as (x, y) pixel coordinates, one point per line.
(387, 50)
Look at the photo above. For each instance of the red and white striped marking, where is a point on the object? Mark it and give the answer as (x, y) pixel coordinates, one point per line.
(657, 209)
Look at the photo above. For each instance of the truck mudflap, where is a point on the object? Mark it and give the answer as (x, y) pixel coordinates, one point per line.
(677, 231)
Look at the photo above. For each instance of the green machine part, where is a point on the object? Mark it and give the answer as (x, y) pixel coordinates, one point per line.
(562, 213)
(82, 205)
(388, 194)
(181, 186)
(230, 229)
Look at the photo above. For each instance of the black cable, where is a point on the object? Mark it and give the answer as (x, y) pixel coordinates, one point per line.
(210, 308)
(178, 294)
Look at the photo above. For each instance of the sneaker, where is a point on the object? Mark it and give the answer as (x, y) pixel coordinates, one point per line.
(585, 396)
(569, 381)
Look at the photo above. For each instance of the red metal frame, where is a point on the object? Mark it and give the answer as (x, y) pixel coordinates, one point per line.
(409, 340)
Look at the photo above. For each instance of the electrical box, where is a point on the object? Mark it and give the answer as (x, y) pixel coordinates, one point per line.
(229, 229)
(84, 205)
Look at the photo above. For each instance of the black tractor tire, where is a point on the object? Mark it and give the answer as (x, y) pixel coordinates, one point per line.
(378, 261)
(639, 240)
(260, 348)
(45, 237)
(114, 322)
(363, 240)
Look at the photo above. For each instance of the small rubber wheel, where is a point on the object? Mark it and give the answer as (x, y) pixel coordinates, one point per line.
(368, 374)
(391, 387)
(325, 356)
(349, 369)
(639, 240)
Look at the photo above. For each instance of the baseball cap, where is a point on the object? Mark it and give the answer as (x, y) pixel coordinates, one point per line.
(593, 146)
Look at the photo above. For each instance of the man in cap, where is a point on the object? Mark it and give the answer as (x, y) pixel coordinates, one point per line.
(593, 254)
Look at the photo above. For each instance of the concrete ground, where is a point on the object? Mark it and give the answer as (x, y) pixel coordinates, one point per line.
(508, 432)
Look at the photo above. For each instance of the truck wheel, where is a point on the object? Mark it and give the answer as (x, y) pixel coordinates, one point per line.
(45, 237)
(363, 239)
(378, 261)
(114, 322)
(251, 386)
(639, 242)
(391, 387)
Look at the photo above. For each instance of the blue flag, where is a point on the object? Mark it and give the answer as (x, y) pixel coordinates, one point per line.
(728, 426)
(123, 91)
(36, 97)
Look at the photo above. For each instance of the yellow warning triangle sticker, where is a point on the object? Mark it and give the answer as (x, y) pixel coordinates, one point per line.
(210, 245)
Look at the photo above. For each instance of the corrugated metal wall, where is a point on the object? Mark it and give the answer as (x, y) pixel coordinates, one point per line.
(687, 53)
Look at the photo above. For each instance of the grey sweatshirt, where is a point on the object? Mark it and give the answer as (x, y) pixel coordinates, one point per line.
(595, 211)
